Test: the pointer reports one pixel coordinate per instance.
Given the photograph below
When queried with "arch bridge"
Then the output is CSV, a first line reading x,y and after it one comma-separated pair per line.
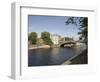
x,y
68,44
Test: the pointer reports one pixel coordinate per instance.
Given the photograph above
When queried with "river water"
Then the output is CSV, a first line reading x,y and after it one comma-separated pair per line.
x,y
51,56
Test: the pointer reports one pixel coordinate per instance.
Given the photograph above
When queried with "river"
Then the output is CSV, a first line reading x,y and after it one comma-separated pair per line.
x,y
51,56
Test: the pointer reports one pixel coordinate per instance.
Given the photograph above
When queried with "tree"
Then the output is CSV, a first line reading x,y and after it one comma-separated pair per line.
x,y
46,37
83,23
33,37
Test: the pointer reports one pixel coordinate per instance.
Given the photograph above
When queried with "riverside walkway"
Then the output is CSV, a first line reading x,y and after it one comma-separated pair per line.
x,y
38,47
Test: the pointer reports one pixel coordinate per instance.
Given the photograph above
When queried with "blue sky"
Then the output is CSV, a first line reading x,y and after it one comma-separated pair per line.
x,y
52,24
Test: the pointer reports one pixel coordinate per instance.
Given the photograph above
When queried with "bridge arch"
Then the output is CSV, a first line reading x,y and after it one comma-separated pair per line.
x,y
67,44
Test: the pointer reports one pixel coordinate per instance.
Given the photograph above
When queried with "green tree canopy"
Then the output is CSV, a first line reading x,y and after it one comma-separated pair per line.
x,y
33,37
46,37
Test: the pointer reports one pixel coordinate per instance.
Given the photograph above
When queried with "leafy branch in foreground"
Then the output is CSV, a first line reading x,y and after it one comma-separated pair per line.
x,y
82,22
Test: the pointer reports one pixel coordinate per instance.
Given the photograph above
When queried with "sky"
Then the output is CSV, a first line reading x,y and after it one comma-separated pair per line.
x,y
52,24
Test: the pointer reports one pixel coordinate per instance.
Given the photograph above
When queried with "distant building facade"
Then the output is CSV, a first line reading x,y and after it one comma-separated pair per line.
x,y
67,39
55,38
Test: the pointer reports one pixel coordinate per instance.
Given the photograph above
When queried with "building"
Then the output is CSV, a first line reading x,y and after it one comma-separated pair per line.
x,y
68,39
55,38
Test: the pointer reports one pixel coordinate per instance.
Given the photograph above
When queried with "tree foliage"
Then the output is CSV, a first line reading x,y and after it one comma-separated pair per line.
x,y
33,37
46,37
82,22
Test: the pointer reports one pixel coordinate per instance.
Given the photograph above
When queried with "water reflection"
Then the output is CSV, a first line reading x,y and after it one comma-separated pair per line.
x,y
51,56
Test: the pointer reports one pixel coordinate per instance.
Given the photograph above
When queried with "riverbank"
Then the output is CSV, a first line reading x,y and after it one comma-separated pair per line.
x,y
43,46
38,47
81,58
